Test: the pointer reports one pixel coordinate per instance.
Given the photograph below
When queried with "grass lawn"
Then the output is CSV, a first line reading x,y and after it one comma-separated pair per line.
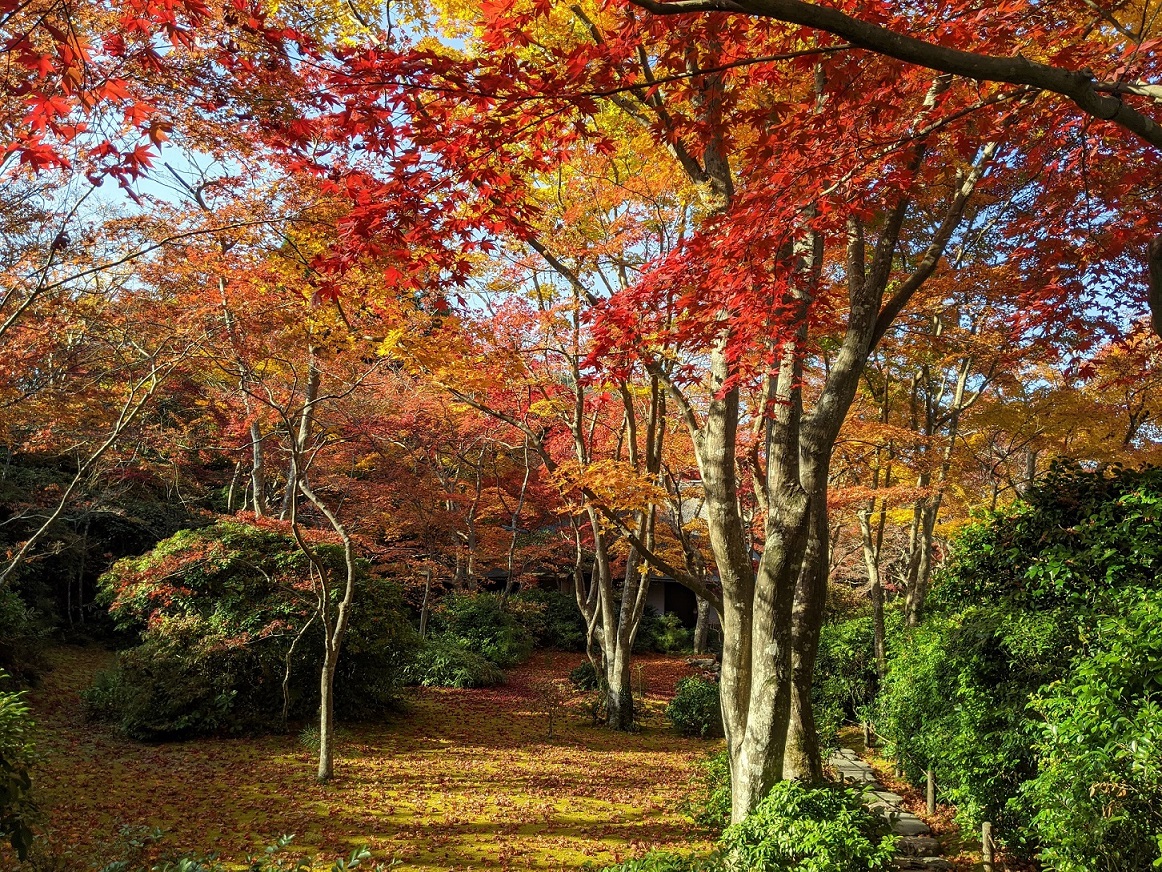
x,y
468,780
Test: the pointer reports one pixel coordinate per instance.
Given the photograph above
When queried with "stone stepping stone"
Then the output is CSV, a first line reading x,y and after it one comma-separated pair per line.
x,y
907,824
923,864
919,846
854,771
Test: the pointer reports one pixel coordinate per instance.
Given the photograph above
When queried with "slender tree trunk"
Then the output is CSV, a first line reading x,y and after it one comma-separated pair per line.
x,y
921,579
257,472
334,622
916,545
702,626
81,571
620,706
871,558
1031,460
424,611
233,487
327,715
306,423
510,584
634,592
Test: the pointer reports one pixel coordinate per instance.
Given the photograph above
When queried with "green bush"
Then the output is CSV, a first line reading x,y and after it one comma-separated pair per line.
x,y
22,634
552,618
845,676
695,709
647,630
1099,781
219,610
443,662
957,694
1014,686
17,757
803,829
670,636
666,861
709,804
480,623
584,677
795,828
272,859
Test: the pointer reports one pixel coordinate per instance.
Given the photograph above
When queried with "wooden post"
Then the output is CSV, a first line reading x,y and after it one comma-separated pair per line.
x,y
931,791
986,846
867,735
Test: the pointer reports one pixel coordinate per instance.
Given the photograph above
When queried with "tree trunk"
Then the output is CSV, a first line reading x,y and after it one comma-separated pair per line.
x,y
915,548
306,422
334,623
802,759
634,591
871,557
424,610
327,715
233,487
510,584
702,626
921,579
1030,472
257,472
619,691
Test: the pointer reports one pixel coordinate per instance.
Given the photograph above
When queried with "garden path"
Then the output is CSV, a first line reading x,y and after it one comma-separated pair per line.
x,y
917,847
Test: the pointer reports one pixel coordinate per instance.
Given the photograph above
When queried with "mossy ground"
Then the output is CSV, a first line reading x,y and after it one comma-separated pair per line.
x,y
469,779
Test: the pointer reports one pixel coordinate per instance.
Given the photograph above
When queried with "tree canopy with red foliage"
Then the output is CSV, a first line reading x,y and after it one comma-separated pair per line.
x,y
638,243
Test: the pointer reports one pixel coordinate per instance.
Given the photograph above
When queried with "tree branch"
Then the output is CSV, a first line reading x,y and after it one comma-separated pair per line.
x,y
1078,86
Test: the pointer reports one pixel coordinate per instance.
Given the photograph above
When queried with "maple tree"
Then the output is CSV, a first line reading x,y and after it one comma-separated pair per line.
x,y
696,227
724,115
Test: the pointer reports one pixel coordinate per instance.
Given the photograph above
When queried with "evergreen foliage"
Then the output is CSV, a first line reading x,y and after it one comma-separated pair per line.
x,y
1034,684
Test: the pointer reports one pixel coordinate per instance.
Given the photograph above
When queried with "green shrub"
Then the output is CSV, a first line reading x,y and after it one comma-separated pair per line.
x,y
670,636
1073,540
272,859
219,610
709,804
957,694
480,623
444,662
1015,685
647,630
17,757
845,676
803,829
584,677
695,709
795,828
1099,781
22,635
666,861
552,618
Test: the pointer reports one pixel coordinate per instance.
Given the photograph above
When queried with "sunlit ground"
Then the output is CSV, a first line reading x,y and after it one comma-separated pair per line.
x,y
468,780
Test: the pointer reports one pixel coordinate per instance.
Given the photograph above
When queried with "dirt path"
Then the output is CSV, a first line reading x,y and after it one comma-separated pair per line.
x,y
468,780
